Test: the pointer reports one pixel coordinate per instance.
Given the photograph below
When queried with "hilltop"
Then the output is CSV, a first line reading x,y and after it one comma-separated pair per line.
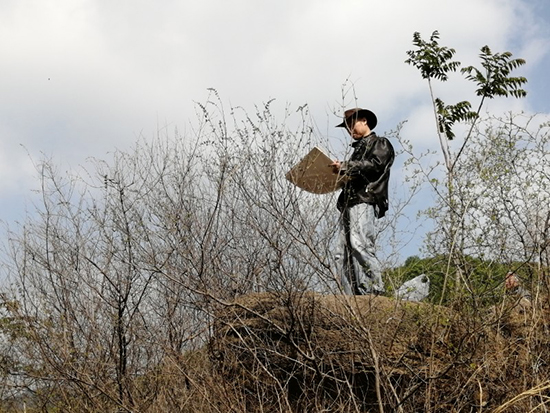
x,y
311,352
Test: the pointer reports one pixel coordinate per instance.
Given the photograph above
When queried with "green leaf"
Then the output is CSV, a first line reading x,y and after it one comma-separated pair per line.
x,y
494,78
431,59
448,115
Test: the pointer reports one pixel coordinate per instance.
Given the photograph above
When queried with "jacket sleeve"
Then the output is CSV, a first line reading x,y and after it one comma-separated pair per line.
x,y
371,163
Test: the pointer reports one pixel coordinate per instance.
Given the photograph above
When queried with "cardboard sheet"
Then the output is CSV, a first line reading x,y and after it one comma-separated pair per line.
x,y
313,173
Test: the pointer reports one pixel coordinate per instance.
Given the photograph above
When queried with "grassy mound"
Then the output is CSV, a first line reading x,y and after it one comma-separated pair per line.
x,y
309,352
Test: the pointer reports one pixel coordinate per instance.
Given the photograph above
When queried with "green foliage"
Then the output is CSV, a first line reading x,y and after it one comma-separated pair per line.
x,y
495,80
448,115
484,279
433,60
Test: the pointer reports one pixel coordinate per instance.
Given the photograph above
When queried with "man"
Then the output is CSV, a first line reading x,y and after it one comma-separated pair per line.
x,y
512,286
364,197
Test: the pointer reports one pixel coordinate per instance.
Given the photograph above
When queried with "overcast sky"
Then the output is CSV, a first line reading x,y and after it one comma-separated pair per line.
x,y
80,78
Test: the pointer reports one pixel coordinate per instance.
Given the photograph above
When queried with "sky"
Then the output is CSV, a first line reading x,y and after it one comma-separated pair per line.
x,y
81,78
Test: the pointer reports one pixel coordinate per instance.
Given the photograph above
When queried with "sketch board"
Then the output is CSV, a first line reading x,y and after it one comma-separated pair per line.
x,y
313,173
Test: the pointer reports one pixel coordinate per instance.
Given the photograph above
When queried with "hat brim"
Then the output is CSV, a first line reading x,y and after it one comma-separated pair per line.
x,y
372,121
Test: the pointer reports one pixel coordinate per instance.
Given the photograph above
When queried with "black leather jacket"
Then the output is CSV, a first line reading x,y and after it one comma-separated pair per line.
x,y
369,171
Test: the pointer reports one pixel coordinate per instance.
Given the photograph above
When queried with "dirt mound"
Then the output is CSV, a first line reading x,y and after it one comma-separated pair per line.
x,y
310,352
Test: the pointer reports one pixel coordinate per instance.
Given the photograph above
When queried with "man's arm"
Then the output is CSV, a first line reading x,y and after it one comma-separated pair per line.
x,y
336,165
374,164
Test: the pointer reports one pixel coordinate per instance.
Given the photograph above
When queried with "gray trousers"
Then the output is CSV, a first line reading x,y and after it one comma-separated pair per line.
x,y
356,260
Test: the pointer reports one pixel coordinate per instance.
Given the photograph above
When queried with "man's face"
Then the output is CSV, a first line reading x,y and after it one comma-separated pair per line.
x,y
357,128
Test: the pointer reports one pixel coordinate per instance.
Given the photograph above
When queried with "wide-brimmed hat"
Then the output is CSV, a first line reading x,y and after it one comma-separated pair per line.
x,y
359,113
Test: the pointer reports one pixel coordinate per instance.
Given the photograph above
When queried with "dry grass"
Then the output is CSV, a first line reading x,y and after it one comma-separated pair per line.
x,y
375,354
291,353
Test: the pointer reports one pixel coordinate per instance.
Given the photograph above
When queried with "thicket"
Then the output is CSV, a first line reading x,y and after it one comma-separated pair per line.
x,y
124,276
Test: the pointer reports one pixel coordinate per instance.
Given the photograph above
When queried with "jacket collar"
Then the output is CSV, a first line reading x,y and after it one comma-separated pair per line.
x,y
363,139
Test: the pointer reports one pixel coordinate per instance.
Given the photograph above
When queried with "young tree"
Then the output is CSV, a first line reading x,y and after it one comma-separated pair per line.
x,y
506,168
493,79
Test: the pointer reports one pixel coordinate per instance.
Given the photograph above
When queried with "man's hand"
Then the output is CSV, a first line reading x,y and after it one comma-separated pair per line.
x,y
336,165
